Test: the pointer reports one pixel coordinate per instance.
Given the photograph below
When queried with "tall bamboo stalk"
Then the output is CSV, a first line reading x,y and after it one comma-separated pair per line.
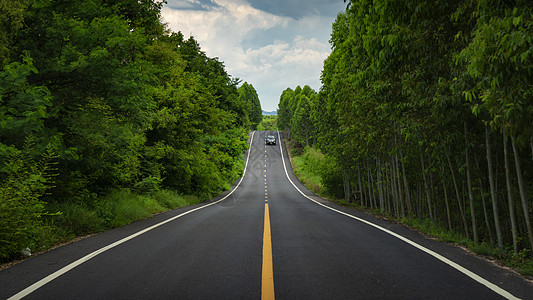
x,y
470,193
509,192
428,199
493,196
522,188
458,197
446,202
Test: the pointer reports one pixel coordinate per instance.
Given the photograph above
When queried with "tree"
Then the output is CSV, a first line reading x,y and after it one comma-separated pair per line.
x,y
248,97
407,84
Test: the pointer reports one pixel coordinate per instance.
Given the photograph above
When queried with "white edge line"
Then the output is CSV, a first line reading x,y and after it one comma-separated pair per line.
x,y
445,260
32,288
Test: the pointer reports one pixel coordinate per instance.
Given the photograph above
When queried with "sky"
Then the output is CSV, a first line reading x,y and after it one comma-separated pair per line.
x,y
271,44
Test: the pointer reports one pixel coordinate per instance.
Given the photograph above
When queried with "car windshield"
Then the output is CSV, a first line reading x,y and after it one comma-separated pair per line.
x,y
270,138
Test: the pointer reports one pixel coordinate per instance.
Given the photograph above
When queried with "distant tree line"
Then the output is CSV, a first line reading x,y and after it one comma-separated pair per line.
x,y
426,108
98,96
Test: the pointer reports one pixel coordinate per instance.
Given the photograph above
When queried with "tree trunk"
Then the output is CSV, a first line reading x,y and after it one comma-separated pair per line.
x,y
454,180
346,184
522,188
432,189
470,193
486,214
371,194
380,186
393,189
406,186
493,192
360,186
446,202
418,201
390,193
509,191
426,185
399,185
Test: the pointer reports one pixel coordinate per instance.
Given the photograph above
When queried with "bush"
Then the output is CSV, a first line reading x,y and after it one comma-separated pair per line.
x,y
21,204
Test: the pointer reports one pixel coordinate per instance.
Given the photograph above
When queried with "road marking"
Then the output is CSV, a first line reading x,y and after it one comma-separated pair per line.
x,y
267,286
443,259
32,288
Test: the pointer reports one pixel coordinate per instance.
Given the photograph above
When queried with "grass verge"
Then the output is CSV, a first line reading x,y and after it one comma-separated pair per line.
x,y
71,220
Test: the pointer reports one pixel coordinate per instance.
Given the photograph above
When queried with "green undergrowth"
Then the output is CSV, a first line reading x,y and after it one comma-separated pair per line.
x,y
309,179
117,209
306,165
69,220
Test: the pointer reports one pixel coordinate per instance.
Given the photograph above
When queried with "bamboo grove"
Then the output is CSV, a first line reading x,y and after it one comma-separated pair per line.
x,y
426,109
98,96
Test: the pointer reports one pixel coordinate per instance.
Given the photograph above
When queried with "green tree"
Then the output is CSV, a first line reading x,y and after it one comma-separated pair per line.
x,y
248,96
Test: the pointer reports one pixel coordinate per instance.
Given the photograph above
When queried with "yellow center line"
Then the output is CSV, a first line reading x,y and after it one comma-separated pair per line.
x,y
267,287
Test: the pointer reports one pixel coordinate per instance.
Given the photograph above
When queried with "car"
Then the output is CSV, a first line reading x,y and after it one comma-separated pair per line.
x,y
270,140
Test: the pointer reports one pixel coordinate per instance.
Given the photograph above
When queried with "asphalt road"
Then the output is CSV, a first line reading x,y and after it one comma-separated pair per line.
x,y
268,237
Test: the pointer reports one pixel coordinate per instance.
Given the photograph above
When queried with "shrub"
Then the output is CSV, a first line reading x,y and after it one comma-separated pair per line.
x,y
21,206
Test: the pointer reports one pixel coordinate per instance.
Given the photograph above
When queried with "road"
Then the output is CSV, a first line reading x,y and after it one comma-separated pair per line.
x,y
269,237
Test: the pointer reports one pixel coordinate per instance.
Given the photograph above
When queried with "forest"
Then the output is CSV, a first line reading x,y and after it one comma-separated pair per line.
x,y
426,111
105,113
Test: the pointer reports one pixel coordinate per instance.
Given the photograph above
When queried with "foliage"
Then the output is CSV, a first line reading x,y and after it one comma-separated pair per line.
x,y
21,205
418,102
296,112
248,96
269,123
123,103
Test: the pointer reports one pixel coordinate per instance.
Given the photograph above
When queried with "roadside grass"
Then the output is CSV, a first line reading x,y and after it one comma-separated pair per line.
x,y
309,179
67,221
117,209
305,168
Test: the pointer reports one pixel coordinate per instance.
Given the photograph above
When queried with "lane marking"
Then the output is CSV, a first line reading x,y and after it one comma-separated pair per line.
x,y
267,286
32,288
443,259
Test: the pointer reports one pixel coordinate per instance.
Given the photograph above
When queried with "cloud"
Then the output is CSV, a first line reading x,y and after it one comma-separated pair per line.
x,y
191,4
270,52
226,23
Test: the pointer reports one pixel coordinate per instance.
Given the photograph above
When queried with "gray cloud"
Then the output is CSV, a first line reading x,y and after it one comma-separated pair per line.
x,y
297,9
259,44
191,4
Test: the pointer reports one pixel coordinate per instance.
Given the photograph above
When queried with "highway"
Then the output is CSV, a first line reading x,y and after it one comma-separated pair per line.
x,y
267,238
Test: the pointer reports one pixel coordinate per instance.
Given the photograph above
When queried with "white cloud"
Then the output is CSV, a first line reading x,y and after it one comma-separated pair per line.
x,y
293,58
